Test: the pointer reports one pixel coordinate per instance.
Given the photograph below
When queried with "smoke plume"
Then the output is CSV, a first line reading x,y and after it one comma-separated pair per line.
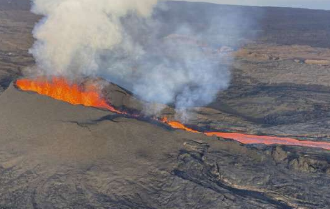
x,y
74,32
143,46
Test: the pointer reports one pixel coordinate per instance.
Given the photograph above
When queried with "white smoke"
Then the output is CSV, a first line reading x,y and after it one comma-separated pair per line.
x,y
128,43
73,32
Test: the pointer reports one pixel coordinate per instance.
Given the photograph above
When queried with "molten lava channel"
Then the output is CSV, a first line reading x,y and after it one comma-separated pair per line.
x,y
252,139
89,95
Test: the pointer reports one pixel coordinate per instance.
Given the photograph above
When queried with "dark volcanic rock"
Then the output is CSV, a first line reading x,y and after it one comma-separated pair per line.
x,y
121,99
55,155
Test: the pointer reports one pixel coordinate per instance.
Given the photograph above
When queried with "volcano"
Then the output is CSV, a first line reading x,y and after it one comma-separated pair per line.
x,y
93,157
89,95
263,143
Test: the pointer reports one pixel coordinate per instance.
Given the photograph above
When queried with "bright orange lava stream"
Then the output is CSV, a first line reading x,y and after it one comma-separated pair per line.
x,y
252,139
59,88
178,125
269,140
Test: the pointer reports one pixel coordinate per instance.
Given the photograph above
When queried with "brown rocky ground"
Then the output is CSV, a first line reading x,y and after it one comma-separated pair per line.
x,y
54,155
276,90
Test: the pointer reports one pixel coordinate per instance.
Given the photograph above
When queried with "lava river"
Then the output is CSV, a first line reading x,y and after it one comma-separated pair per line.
x,y
89,95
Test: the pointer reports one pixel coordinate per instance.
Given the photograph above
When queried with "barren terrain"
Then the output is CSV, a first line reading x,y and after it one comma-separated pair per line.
x,y
55,155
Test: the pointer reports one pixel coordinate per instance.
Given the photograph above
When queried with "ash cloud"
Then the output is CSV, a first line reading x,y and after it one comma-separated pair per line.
x,y
171,53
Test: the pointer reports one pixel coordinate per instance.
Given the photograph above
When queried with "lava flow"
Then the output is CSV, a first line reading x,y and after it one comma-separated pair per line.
x,y
178,125
252,139
88,95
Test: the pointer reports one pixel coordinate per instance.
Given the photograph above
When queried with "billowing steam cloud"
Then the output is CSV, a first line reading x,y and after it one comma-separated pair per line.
x,y
129,42
74,32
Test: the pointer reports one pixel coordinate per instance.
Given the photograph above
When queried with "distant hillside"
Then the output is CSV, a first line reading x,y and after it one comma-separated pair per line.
x,y
14,4
295,26
285,26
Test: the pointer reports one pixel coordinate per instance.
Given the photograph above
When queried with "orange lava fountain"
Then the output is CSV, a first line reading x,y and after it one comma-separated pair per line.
x,y
88,95
60,89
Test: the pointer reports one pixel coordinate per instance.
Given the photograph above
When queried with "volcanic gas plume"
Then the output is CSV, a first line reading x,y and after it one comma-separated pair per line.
x,y
125,43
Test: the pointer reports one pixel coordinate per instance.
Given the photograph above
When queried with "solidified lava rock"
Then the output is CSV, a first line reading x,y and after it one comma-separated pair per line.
x,y
122,99
56,155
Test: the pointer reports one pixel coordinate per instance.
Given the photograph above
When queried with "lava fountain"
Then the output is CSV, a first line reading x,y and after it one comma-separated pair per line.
x,y
89,95
61,89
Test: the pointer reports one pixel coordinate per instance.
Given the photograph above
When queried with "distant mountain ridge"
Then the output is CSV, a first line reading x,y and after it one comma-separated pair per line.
x,y
15,5
274,25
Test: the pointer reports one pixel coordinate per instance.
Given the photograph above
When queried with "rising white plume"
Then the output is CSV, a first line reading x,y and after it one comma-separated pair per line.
x,y
73,32
132,43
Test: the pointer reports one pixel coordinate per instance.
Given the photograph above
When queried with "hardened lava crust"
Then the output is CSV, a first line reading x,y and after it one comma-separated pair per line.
x,y
57,155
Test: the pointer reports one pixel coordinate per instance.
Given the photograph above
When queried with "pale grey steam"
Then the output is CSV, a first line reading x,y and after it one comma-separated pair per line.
x,y
74,32
140,45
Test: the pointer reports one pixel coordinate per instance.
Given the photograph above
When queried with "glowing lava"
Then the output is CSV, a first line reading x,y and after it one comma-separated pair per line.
x,y
269,140
178,125
89,95
252,139
60,89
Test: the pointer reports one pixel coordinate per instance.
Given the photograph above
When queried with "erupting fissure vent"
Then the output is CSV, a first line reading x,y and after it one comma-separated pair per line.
x,y
60,89
89,95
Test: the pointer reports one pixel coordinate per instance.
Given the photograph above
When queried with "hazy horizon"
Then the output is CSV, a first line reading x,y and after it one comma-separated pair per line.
x,y
309,4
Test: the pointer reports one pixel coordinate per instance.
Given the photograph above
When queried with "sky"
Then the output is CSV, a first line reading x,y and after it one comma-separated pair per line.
x,y
311,4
